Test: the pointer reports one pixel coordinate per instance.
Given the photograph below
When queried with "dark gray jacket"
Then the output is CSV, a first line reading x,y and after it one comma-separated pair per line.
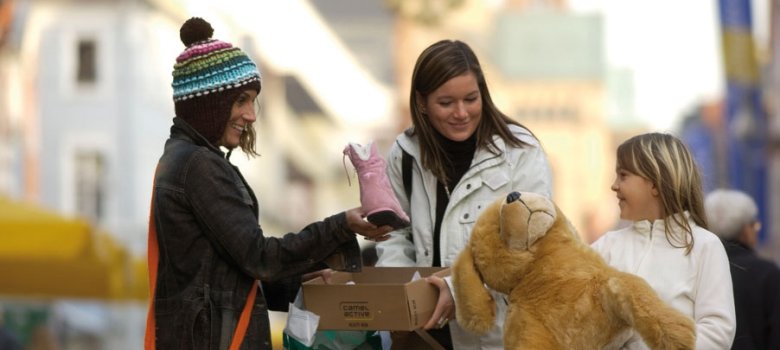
x,y
756,284
212,249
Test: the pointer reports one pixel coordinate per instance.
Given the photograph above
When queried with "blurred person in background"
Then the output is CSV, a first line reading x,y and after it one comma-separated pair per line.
x,y
459,155
733,216
659,190
43,338
206,249
8,340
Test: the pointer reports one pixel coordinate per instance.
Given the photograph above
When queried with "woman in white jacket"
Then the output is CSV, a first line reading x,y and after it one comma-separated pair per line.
x,y
659,190
461,154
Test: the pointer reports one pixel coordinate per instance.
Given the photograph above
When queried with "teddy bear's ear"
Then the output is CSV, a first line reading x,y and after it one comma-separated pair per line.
x,y
525,217
474,307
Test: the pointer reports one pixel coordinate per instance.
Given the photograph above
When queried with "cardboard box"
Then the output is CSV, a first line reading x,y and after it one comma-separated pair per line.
x,y
381,298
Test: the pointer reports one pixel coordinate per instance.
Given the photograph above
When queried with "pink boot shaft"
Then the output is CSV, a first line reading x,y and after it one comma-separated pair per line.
x,y
377,198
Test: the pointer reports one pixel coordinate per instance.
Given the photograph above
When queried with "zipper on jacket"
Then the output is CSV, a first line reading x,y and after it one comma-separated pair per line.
x,y
647,249
418,167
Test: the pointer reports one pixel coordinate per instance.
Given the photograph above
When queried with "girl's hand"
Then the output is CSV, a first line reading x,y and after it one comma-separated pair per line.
x,y
364,228
445,306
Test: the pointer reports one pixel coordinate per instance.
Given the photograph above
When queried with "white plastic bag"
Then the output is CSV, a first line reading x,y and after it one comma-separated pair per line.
x,y
301,324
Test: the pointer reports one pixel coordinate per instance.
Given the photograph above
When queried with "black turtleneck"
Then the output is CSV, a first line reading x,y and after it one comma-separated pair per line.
x,y
460,155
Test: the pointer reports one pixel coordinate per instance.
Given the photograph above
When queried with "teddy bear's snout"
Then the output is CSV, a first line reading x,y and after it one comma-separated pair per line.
x,y
513,196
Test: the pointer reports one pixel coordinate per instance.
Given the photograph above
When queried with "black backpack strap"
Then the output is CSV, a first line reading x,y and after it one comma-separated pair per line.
x,y
406,173
406,176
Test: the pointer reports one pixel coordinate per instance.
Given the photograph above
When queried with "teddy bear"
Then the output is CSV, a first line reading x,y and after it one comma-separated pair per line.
x,y
561,294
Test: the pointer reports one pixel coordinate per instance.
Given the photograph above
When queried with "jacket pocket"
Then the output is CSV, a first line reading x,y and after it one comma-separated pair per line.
x,y
183,323
225,317
466,219
496,180
259,330
201,325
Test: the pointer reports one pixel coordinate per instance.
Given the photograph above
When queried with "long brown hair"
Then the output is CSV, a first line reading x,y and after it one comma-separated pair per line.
x,y
436,65
248,137
247,141
665,161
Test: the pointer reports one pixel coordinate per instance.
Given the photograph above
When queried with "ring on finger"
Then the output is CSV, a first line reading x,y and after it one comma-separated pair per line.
x,y
442,322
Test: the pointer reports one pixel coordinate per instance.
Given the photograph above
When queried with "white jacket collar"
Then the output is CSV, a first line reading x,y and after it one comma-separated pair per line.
x,y
647,227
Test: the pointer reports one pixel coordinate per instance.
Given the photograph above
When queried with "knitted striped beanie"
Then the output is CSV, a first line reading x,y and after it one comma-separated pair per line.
x,y
208,77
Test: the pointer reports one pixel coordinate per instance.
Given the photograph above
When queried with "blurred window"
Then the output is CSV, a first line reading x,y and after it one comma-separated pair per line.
x,y
299,98
87,61
300,195
90,184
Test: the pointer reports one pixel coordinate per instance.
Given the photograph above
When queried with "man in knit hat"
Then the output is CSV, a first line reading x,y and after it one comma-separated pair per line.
x,y
206,249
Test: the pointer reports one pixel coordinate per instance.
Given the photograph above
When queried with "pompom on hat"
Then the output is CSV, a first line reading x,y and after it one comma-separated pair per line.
x,y
208,77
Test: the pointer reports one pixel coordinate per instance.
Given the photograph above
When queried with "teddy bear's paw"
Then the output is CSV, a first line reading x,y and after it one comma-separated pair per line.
x,y
479,324
679,333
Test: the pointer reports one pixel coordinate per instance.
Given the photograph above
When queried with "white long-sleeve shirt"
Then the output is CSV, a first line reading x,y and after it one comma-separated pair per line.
x,y
697,284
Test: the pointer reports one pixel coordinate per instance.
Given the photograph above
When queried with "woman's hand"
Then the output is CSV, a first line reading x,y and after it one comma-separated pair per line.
x,y
359,225
445,306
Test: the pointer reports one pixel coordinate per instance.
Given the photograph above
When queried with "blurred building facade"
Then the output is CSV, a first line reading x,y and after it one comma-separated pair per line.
x,y
556,74
735,137
85,107
772,102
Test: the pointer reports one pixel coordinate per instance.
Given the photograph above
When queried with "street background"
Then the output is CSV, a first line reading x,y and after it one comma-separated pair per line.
x,y
86,105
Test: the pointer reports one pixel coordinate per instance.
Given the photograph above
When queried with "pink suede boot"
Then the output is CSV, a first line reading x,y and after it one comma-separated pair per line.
x,y
377,198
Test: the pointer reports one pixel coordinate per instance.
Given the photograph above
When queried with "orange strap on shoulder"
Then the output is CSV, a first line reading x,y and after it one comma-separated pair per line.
x,y
153,260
